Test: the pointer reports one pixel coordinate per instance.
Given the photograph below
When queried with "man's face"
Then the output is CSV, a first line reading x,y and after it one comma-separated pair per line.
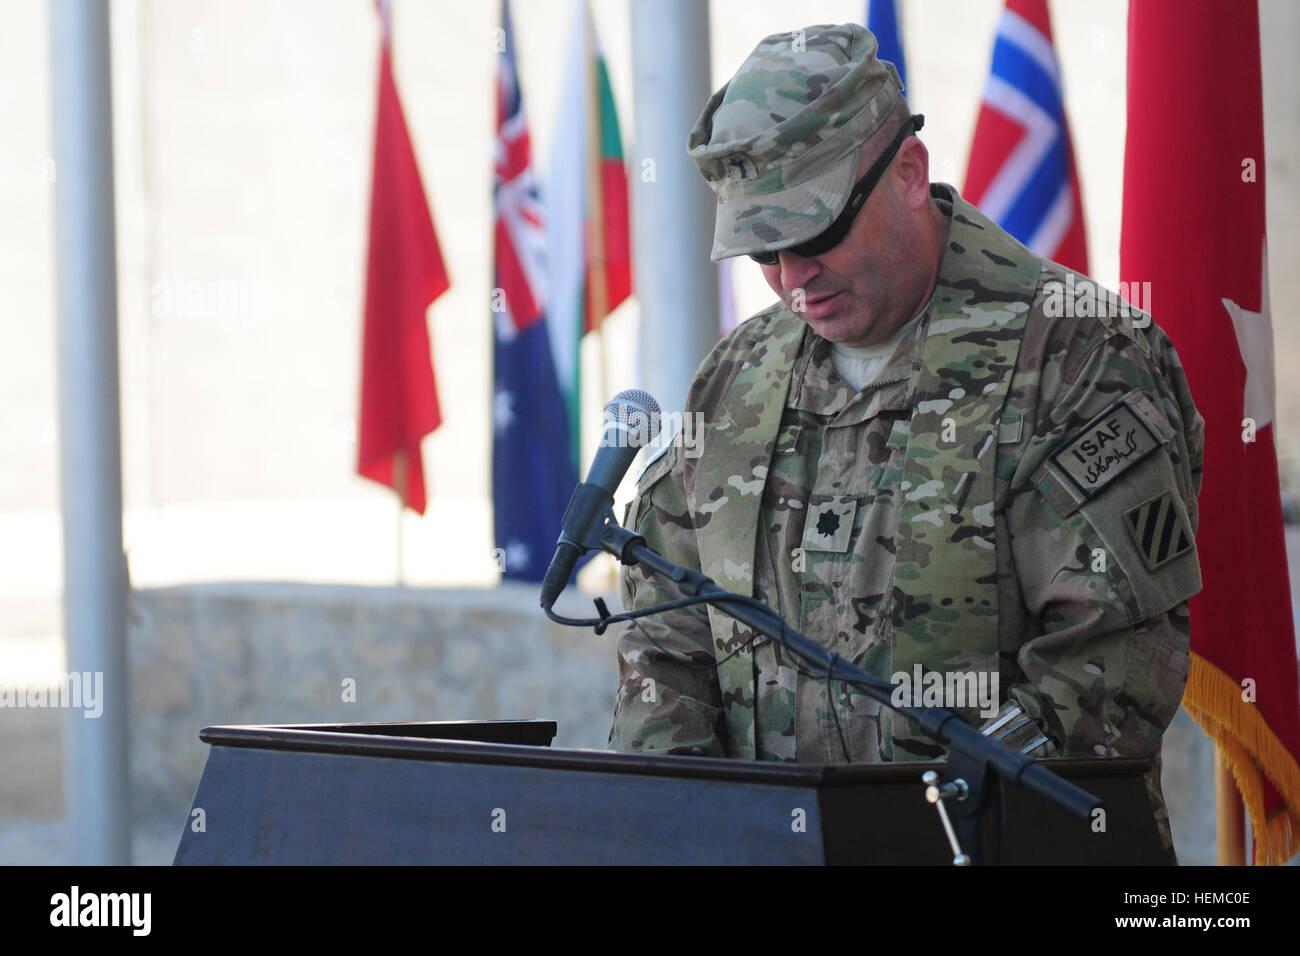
x,y
866,287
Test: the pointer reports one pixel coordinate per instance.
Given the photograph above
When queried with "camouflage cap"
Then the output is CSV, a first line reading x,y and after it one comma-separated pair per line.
x,y
780,144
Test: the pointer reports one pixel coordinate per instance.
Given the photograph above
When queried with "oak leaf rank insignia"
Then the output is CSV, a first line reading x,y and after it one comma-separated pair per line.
x,y
829,525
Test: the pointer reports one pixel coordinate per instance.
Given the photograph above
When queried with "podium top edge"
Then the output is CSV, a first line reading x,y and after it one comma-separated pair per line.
x,y
389,739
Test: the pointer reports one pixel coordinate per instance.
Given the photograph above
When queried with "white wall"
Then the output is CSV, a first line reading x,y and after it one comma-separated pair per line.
x,y
243,148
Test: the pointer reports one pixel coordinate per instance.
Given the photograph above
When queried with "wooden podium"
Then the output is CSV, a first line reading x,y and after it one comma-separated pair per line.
x,y
494,792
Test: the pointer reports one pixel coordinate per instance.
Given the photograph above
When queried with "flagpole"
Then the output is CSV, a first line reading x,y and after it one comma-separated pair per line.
x,y
597,289
1231,817
399,483
597,283
399,459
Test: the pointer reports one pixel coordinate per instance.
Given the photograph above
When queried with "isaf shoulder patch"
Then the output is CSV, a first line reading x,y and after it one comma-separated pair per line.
x,y
1117,474
1160,530
1105,448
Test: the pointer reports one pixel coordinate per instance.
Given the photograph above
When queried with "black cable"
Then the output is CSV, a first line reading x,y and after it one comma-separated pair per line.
x,y
810,669
713,663
754,640
830,699
601,623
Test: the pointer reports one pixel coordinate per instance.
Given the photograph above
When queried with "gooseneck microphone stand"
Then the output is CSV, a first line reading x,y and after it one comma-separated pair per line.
x,y
965,787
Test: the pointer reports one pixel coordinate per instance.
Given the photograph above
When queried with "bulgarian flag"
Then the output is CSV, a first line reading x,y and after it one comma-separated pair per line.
x,y
590,254
1194,228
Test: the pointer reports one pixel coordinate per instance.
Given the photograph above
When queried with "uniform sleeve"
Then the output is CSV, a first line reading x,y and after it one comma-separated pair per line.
x,y
668,697
1102,517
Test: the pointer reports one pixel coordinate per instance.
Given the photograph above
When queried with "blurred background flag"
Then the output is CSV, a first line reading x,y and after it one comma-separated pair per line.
x,y
1194,228
586,197
1022,173
532,471
727,318
882,20
404,274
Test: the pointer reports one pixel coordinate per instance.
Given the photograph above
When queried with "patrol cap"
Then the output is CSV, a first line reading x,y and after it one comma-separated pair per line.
x,y
780,144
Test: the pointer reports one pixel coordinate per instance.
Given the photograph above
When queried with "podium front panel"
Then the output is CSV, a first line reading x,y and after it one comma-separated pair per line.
x,y
493,792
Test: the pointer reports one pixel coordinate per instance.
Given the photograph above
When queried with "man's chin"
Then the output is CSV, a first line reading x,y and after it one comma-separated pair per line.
x,y
843,329
837,328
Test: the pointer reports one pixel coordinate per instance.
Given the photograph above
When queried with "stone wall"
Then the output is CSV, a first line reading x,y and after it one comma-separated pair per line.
x,y
281,653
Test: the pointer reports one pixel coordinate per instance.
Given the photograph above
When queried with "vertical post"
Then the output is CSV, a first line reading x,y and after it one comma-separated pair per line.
x,y
399,485
676,283
1231,817
95,769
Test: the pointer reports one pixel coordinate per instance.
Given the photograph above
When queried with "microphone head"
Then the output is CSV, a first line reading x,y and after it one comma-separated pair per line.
x,y
635,396
631,423
634,415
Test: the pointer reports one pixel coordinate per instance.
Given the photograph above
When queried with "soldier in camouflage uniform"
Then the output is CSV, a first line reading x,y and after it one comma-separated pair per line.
x,y
1013,494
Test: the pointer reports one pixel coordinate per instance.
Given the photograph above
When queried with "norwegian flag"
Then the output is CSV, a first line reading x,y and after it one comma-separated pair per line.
x,y
882,20
1022,173
533,472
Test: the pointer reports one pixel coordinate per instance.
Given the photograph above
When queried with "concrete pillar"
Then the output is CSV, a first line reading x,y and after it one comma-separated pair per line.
x,y
676,284
95,777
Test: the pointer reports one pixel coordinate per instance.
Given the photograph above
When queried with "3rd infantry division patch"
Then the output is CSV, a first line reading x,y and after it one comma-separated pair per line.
x,y
1159,530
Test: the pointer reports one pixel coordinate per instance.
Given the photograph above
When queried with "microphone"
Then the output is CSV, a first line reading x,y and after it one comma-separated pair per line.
x,y
631,423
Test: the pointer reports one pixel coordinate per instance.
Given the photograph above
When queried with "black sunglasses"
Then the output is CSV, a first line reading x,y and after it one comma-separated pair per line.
x,y
830,237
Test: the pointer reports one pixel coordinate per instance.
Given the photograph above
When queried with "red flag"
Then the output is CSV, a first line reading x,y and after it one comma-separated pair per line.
x,y
1194,229
404,274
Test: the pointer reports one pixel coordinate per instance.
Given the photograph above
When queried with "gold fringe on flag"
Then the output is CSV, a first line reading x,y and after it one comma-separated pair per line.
x,y
1252,751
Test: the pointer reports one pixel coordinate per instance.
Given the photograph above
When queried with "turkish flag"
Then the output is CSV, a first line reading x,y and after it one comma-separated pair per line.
x,y
399,398
1194,229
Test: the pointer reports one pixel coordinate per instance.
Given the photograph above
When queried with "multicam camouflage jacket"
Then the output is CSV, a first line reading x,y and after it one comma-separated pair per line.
x,y
1013,497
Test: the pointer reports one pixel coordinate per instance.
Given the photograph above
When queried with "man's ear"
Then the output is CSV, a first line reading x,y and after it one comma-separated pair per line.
x,y
912,167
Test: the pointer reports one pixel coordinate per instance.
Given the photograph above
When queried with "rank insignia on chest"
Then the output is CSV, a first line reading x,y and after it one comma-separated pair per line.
x,y
1160,530
829,525
1105,448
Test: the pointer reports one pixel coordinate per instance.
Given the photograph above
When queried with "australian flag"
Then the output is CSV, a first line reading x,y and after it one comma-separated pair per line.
x,y
1022,173
532,469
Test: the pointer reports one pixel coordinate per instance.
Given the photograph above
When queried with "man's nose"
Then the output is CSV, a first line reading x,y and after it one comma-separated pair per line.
x,y
797,270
